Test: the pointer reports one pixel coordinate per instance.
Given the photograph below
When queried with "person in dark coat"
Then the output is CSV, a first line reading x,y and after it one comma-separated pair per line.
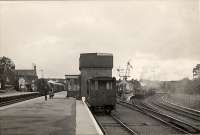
x,y
45,88
45,95
51,92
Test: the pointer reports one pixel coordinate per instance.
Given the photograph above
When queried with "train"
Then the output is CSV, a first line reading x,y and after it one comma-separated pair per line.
x,y
129,89
101,93
144,92
44,85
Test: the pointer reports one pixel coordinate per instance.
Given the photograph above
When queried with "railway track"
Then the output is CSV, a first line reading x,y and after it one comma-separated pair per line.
x,y
111,125
180,111
12,100
183,127
188,111
190,117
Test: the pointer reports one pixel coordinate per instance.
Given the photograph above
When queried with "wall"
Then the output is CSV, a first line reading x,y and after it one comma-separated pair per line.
x,y
95,60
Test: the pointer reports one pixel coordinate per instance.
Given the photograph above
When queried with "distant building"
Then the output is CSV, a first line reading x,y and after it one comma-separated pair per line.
x,y
94,65
196,71
26,78
73,85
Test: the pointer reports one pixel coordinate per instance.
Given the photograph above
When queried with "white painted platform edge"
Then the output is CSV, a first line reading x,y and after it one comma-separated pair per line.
x,y
92,117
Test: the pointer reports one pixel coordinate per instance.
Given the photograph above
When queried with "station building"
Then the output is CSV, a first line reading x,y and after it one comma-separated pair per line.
x,y
94,65
26,79
73,86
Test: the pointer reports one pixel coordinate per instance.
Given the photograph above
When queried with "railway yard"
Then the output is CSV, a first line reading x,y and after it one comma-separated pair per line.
x,y
100,67
140,118
152,115
94,103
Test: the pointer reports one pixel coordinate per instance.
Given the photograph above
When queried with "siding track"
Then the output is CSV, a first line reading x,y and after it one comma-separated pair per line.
x,y
15,99
183,127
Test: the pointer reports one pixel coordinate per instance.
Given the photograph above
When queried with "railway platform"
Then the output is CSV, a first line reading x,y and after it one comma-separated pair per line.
x,y
58,116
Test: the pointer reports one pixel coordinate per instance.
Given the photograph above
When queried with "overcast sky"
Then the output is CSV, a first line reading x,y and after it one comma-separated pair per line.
x,y
161,38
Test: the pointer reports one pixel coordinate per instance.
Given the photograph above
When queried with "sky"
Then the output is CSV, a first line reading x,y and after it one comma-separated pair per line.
x,y
160,38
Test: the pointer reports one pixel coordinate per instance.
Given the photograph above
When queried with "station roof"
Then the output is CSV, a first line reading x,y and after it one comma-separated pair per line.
x,y
72,76
102,78
25,72
98,54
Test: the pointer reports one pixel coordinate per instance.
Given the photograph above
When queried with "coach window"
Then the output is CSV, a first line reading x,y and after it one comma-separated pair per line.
x,y
96,85
88,87
109,85
102,85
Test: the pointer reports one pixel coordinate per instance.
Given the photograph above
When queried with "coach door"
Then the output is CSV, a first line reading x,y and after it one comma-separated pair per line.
x,y
105,89
110,93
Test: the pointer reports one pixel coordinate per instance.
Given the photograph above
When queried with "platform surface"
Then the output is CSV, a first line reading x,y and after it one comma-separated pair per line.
x,y
40,117
59,116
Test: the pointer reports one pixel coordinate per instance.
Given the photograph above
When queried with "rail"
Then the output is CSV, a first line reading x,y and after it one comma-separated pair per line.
x,y
122,124
101,126
16,98
178,111
188,110
169,120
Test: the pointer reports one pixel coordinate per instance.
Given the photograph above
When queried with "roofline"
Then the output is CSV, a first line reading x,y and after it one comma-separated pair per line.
x,y
72,75
102,77
98,54
24,70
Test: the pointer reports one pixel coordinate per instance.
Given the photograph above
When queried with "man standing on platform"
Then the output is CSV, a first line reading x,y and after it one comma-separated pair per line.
x,y
45,88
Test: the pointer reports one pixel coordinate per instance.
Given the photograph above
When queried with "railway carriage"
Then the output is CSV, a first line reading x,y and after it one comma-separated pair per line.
x,y
101,93
57,87
43,85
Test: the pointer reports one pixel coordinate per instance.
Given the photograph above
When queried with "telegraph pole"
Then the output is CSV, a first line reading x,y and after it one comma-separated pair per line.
x,y
42,73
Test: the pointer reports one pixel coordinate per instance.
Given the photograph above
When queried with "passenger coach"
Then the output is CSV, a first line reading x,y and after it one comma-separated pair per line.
x,y
101,93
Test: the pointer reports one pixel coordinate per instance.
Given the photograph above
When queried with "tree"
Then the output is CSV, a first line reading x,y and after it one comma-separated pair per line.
x,y
7,68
